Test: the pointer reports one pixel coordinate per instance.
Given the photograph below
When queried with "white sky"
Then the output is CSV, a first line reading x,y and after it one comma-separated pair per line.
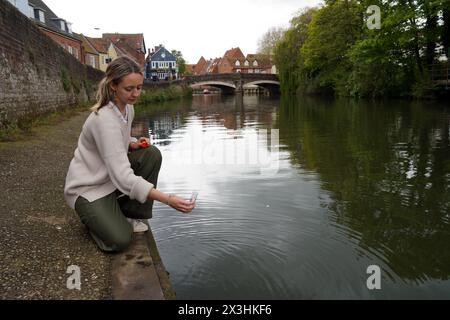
x,y
196,27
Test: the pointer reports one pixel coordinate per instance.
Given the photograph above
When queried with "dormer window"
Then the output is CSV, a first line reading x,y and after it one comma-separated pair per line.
x,y
238,63
246,63
69,27
39,15
255,63
62,24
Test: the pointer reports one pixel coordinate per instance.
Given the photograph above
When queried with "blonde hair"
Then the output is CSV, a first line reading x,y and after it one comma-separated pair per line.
x,y
116,70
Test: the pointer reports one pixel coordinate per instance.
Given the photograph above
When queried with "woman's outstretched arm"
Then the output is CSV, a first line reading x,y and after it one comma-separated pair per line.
x,y
175,202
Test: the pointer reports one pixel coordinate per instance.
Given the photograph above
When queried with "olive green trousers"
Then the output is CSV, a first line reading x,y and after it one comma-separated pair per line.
x,y
105,218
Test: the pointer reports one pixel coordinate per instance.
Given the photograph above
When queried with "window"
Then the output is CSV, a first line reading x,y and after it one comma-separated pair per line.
x,y
92,60
255,63
39,15
70,49
246,63
62,25
75,52
238,63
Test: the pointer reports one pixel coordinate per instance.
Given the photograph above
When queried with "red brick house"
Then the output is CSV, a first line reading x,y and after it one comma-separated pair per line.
x,y
200,66
91,55
226,64
56,28
101,46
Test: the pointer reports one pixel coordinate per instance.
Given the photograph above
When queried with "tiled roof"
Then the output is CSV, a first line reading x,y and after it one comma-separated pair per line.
x,y
99,44
129,44
88,47
134,40
131,52
234,53
200,65
157,55
264,61
51,19
124,52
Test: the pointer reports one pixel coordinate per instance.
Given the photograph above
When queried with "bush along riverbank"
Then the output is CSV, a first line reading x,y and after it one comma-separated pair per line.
x,y
340,49
152,93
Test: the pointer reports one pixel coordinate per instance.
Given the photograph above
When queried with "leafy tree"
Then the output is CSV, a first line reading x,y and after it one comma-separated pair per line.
x,y
268,42
287,49
445,33
180,62
332,50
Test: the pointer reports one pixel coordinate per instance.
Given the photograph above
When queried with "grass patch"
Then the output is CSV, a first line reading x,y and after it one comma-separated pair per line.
x,y
23,129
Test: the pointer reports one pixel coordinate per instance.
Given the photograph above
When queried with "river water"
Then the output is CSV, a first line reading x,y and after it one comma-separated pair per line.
x,y
300,198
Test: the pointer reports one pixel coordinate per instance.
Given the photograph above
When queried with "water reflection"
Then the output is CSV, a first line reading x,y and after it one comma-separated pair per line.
x,y
357,184
387,168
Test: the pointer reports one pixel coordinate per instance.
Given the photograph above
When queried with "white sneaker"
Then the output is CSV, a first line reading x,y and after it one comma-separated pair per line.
x,y
138,226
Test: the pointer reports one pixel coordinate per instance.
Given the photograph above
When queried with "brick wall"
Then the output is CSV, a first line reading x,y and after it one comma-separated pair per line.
x,y
36,74
66,42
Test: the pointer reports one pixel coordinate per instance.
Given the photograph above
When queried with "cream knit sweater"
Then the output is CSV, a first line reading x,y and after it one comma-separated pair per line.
x,y
100,164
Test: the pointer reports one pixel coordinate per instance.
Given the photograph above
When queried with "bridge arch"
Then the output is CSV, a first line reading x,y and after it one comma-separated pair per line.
x,y
226,87
219,84
263,82
235,82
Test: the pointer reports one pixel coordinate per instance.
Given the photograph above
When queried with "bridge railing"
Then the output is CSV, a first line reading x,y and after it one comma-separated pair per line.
x,y
232,76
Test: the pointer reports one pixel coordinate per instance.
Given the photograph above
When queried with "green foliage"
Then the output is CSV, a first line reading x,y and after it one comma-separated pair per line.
x,y
65,79
180,62
331,49
159,95
333,30
287,49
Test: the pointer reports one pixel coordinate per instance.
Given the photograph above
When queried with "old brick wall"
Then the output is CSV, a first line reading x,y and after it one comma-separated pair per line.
x,y
36,74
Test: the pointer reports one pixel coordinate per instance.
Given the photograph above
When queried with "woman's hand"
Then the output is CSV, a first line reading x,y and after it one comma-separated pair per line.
x,y
180,204
138,145
134,145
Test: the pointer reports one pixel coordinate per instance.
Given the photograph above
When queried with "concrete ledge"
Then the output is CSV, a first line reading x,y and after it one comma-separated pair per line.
x,y
138,272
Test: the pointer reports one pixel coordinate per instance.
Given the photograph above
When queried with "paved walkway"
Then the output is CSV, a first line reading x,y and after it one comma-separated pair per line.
x,y
40,236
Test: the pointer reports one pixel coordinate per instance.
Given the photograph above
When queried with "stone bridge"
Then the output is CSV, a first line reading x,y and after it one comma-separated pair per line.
x,y
231,83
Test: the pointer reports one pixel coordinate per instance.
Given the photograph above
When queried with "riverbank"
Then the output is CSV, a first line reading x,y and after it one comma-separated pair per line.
x,y
42,236
160,92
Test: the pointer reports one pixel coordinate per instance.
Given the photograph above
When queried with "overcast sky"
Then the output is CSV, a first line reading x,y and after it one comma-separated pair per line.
x,y
196,27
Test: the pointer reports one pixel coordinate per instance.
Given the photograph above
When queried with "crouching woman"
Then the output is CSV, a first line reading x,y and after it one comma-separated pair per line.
x,y
111,182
